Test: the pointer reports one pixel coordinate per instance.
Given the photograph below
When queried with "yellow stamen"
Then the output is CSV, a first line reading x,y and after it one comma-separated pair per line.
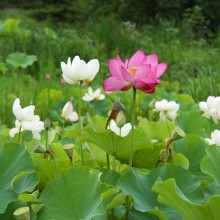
x,y
132,70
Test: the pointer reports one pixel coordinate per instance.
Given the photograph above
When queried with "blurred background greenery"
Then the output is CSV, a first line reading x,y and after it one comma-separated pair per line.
x,y
184,33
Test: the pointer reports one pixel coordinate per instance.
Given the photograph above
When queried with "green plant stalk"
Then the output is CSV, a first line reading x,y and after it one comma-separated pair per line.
x,y
168,128
80,120
127,205
132,123
107,159
46,139
19,134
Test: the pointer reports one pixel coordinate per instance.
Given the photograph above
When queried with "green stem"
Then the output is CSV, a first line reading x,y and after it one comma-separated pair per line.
x,y
80,120
46,138
114,163
168,128
127,205
107,159
132,123
55,165
19,134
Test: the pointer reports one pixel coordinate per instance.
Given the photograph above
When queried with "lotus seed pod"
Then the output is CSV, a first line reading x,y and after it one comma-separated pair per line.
x,y
177,134
47,123
120,119
69,149
22,213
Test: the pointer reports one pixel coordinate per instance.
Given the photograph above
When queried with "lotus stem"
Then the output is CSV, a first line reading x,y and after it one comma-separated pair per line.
x,y
133,108
80,120
168,128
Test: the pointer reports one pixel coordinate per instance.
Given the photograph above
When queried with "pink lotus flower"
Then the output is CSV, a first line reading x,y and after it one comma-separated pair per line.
x,y
63,81
48,76
140,71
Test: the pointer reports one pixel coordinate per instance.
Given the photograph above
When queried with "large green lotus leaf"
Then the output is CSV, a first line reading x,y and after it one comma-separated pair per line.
x,y
116,145
171,195
98,123
192,122
49,167
18,59
136,215
193,148
210,164
75,194
148,158
14,160
157,129
146,201
109,176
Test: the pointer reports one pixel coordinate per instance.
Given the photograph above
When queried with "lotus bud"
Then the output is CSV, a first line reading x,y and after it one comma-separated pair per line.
x,y
152,103
22,213
120,119
47,123
85,121
177,134
69,150
118,106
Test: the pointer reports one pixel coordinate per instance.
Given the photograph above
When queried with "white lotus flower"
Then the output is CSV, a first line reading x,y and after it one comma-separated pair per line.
x,y
24,114
93,95
26,120
34,125
124,130
68,112
211,108
167,109
78,70
215,138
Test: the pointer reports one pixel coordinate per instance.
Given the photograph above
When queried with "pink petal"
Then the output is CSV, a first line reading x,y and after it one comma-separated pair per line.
x,y
152,59
152,73
142,71
120,62
161,69
126,75
137,59
146,85
113,84
115,69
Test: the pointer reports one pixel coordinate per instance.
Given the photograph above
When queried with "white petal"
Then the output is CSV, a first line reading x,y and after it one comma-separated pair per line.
x,y
69,61
203,106
13,131
93,68
171,115
73,116
81,70
68,72
67,109
101,97
17,110
87,98
215,135
126,129
172,106
162,115
210,141
161,105
114,127
36,135
76,59
90,91
97,93
28,112
69,80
